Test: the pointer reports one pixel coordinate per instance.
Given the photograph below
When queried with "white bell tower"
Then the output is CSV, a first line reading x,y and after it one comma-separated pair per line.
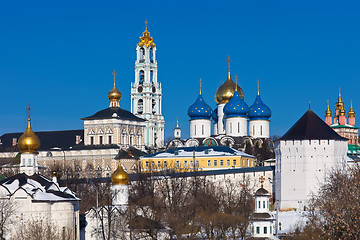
x,y
146,92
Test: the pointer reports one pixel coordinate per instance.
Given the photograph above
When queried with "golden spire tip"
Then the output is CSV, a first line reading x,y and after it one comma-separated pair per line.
x,y
258,86
236,80
200,85
228,61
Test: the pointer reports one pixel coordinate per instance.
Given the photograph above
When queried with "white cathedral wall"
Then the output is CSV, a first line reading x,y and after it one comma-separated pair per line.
x,y
200,128
302,166
236,126
220,124
259,128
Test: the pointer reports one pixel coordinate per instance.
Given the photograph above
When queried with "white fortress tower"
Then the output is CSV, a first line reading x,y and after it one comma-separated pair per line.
x,y
304,157
146,92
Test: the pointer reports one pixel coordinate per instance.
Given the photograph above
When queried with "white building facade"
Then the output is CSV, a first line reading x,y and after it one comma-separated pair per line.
x,y
305,156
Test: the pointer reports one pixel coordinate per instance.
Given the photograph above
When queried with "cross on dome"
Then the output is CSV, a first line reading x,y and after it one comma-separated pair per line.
x,y
228,61
200,84
114,73
262,180
29,109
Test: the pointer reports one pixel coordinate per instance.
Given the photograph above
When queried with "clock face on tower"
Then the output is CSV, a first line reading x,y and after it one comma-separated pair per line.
x,y
140,89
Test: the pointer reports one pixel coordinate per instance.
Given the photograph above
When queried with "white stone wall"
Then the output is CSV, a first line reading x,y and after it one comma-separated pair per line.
x,y
302,166
259,128
236,126
200,128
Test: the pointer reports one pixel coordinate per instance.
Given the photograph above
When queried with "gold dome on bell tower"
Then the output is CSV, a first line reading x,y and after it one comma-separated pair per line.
x,y
351,113
226,91
29,142
328,112
119,177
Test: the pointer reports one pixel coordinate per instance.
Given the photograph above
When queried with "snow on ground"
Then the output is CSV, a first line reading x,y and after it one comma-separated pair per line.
x,y
289,221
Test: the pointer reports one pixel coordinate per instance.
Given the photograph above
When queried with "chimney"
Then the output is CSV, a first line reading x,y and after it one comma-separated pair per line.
x,y
14,142
78,139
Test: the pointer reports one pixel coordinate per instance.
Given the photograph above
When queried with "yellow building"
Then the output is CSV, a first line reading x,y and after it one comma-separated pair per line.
x,y
196,159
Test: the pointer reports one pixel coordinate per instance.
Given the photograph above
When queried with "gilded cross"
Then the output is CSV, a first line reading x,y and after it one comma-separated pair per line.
x,y
114,73
236,79
29,110
262,179
258,86
200,84
228,61
146,23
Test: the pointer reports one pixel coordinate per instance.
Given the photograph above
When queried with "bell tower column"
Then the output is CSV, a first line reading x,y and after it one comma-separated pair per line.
x,y
146,92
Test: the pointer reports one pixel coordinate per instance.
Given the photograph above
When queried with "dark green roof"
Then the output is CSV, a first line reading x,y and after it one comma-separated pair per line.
x,y
344,126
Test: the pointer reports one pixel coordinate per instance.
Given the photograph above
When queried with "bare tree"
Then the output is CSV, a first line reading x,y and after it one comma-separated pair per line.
x,y
335,211
7,210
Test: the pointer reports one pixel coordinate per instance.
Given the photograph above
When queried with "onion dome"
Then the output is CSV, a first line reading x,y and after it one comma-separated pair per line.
x,y
28,142
259,111
236,107
119,177
215,115
114,94
328,112
226,91
351,113
146,39
262,192
342,112
339,104
200,110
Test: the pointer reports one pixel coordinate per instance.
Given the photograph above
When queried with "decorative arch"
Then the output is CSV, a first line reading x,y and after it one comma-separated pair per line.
x,y
209,142
175,143
227,141
192,142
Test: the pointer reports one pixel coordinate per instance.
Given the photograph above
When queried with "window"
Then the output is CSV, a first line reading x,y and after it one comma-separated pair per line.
x,y
165,164
270,230
177,164
263,204
265,230
195,130
202,129
234,162
261,130
152,164
215,163
158,164
247,163
146,164
228,163
29,162
209,163
259,204
197,163
185,164
238,127
221,162
101,140
191,164
258,230
91,140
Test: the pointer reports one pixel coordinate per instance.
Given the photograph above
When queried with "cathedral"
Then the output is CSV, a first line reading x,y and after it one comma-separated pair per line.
x,y
90,152
344,126
232,123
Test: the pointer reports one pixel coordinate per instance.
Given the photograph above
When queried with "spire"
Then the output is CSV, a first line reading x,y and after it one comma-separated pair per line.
x,y
236,79
328,112
200,85
177,123
146,23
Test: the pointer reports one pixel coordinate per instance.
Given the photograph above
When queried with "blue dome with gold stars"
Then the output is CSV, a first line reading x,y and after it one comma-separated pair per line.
x,y
236,107
259,111
200,110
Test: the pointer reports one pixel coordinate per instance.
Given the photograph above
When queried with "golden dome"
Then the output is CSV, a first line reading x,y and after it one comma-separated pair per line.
x,y
226,91
328,112
351,113
342,112
146,39
119,177
28,142
114,94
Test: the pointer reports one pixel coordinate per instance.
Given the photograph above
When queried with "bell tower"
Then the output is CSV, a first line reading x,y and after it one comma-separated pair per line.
x,y
146,92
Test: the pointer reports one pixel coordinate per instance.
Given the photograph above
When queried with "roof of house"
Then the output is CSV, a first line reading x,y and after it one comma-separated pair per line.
x,y
114,112
49,139
38,188
199,152
310,126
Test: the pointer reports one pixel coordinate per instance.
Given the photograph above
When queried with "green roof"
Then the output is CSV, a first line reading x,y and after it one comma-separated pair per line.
x,y
353,149
344,126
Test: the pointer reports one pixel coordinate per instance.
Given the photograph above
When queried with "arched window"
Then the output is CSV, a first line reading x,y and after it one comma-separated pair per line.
x,y
123,137
139,138
141,77
153,106
151,55
142,54
261,130
140,106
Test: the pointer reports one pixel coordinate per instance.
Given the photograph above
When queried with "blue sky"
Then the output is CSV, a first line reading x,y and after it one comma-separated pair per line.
x,y
59,56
